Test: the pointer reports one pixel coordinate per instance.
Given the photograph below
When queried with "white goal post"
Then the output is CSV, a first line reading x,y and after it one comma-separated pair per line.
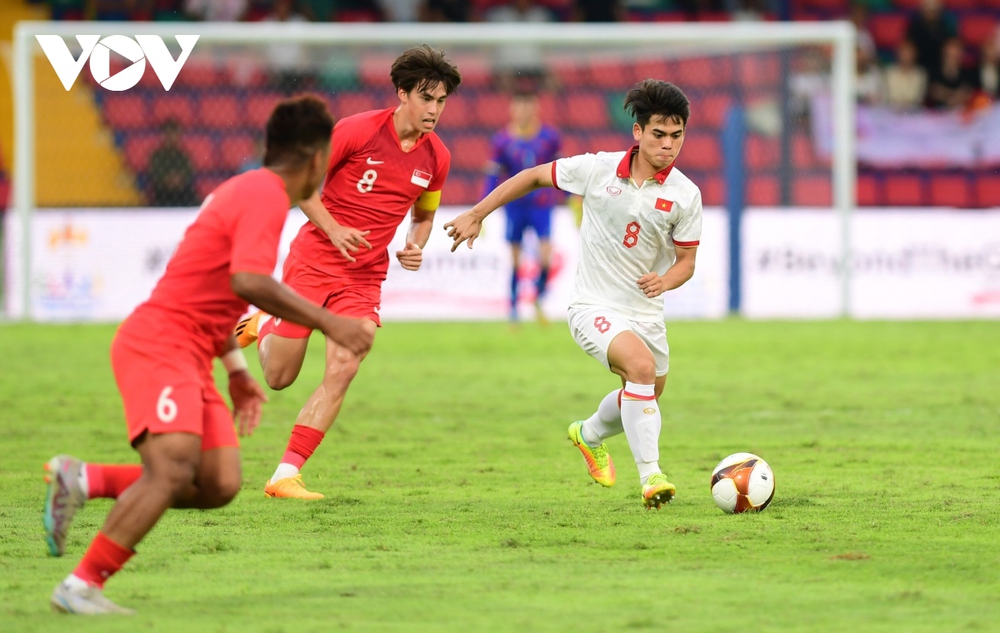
x,y
837,39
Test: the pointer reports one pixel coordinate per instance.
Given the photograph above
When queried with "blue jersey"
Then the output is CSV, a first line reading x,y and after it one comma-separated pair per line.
x,y
510,154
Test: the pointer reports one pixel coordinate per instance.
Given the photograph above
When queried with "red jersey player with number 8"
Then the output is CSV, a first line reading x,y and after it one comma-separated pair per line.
x,y
384,165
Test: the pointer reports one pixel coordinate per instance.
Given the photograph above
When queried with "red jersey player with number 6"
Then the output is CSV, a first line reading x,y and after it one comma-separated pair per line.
x,y
385,165
162,360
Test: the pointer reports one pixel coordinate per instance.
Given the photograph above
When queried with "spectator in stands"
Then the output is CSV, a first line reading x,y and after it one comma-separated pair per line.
x,y
953,84
446,11
989,68
288,61
402,10
519,11
929,28
216,10
866,43
319,10
599,11
905,81
870,82
170,172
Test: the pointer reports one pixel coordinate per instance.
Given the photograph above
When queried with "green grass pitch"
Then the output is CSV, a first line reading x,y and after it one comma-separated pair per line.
x,y
455,503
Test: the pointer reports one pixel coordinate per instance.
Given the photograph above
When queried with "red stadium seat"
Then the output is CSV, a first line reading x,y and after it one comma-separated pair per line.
x,y
205,185
492,109
950,190
173,106
834,6
259,106
652,69
976,28
804,153
349,103
961,5
199,74
713,190
868,194
696,72
611,74
700,151
373,70
201,148
470,152
477,71
709,113
573,145
570,73
609,142
137,149
462,190
458,112
987,190
888,29
220,111
551,109
763,191
762,152
812,191
126,111
758,70
904,190
586,110
235,149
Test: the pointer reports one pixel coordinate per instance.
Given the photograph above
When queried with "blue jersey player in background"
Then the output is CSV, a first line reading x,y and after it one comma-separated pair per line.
x,y
525,142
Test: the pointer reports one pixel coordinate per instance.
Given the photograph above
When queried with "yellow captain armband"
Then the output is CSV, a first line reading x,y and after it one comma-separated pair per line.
x,y
428,201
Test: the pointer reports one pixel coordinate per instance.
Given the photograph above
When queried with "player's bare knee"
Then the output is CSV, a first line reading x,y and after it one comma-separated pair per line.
x,y
642,371
279,378
176,474
221,489
343,370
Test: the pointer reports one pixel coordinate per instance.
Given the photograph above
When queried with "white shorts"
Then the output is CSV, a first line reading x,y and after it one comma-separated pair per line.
x,y
594,328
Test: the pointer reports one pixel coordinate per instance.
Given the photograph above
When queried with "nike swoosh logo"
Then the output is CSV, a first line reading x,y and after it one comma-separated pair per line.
x,y
374,162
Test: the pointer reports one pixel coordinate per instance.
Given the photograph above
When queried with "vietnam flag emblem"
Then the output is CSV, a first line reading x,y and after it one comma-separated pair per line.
x,y
663,204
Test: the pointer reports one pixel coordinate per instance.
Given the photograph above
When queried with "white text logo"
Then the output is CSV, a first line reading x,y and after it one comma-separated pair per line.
x,y
98,50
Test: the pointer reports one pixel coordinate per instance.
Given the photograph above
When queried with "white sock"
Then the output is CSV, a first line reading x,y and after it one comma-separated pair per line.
x,y
75,583
264,318
604,423
284,471
641,421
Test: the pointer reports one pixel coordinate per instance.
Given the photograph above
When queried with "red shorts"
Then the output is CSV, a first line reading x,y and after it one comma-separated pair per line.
x,y
167,389
342,296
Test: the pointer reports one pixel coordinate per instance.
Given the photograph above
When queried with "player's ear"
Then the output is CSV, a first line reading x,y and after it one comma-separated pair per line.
x,y
636,131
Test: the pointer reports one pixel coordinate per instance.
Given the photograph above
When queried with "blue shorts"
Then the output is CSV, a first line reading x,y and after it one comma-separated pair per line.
x,y
540,221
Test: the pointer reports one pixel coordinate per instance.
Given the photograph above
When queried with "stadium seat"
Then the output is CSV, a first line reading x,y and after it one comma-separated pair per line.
x,y
349,103
609,142
763,190
987,190
950,190
570,73
904,190
888,29
976,28
204,185
652,69
552,109
700,151
962,5
762,153
758,70
611,74
868,194
235,149
199,73
461,189
173,106
259,106
220,111
469,152
477,71
836,6
804,154
201,148
696,72
137,148
573,145
710,112
585,110
812,191
373,70
713,190
458,112
492,109
126,111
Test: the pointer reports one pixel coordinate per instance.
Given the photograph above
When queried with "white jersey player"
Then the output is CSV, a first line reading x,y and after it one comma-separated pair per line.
x,y
639,236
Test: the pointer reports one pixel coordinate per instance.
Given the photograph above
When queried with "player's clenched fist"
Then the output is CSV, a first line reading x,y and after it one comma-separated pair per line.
x,y
465,227
652,284
411,257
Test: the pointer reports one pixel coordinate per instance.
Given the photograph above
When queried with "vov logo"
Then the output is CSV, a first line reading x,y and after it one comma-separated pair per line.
x,y
98,50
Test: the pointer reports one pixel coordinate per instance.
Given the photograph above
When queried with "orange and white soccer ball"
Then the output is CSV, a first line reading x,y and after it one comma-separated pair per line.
x,y
742,482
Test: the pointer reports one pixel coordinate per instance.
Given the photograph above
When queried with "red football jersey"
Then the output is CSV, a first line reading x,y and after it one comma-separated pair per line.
x,y
237,230
371,185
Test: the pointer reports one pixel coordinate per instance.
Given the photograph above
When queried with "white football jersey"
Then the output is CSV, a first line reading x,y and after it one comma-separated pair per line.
x,y
628,230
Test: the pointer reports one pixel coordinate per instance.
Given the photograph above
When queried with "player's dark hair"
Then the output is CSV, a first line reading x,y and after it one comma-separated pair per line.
x,y
653,97
424,67
296,129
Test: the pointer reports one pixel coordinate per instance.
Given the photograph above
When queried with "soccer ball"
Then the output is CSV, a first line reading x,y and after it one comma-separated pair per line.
x,y
742,482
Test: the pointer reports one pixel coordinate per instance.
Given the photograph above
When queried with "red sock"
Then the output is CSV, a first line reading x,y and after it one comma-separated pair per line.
x,y
301,445
103,559
108,481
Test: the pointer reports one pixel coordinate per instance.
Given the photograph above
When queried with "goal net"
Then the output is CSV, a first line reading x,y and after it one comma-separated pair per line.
x,y
770,129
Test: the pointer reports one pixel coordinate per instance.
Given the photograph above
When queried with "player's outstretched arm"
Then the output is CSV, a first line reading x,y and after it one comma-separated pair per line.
x,y
347,240
683,269
281,301
468,225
